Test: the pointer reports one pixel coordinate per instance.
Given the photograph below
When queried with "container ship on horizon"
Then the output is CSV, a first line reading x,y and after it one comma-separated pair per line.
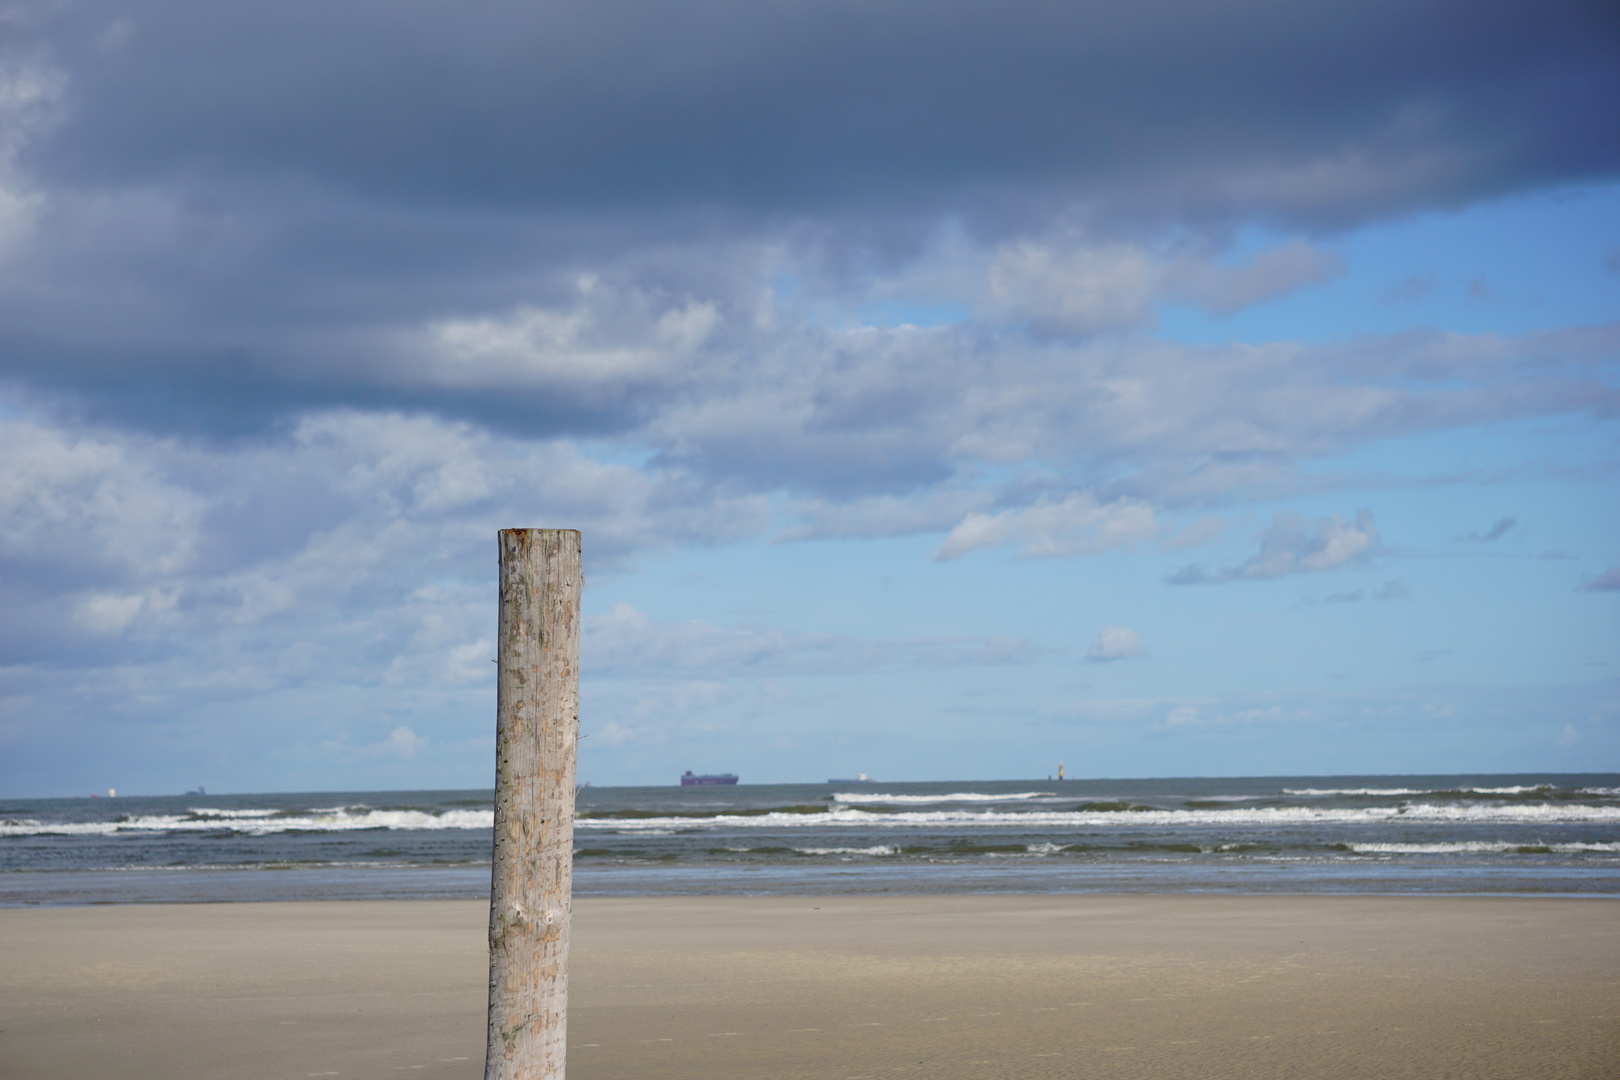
x,y
689,778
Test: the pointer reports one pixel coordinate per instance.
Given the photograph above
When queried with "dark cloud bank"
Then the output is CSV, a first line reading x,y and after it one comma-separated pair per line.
x,y
811,107
249,210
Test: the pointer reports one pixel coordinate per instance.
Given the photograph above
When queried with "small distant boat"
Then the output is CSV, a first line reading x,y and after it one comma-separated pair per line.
x,y
689,778
861,779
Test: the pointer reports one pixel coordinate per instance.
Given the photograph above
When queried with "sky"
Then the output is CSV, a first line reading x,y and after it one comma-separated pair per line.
x,y
943,390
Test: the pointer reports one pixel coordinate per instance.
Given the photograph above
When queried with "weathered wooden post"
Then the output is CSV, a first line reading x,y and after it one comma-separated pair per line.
x,y
536,732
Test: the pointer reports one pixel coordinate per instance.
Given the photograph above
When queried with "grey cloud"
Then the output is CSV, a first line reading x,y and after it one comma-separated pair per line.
x,y
1412,287
1199,532
895,411
1297,545
1324,114
94,510
1498,530
1076,289
764,398
1270,274
1608,581
886,515
1390,590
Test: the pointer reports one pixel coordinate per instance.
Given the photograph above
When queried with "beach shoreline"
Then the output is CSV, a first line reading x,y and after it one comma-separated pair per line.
x,y
950,986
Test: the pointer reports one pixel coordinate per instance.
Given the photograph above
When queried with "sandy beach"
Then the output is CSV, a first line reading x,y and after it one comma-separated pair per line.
x,y
834,987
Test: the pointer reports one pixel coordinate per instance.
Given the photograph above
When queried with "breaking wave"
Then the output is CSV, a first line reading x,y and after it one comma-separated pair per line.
x,y
879,798
257,822
1277,816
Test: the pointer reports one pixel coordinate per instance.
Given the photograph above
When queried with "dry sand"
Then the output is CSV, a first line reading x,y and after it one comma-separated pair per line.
x,y
834,987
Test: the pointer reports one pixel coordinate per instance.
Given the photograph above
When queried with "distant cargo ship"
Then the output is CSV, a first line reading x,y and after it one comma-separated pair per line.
x,y
688,778
861,779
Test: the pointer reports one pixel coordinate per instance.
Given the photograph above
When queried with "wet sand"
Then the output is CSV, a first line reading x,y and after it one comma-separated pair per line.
x,y
834,987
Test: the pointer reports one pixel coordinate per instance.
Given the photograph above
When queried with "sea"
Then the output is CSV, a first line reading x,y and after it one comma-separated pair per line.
x,y
1556,834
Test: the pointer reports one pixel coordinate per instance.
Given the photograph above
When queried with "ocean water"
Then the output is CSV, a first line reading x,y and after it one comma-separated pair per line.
x,y
1388,834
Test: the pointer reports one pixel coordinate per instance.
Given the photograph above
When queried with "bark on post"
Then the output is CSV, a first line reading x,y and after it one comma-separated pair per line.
x,y
536,733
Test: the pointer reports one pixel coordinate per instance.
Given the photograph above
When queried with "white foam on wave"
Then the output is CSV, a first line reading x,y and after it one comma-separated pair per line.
x,y
1356,791
1513,789
880,849
209,811
345,819
260,823
1476,847
877,798
1462,847
1276,816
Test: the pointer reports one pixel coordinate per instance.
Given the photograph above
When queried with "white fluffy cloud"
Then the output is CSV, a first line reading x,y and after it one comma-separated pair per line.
x,y
607,337
401,742
356,542
1115,643
1075,525
1293,544
96,502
